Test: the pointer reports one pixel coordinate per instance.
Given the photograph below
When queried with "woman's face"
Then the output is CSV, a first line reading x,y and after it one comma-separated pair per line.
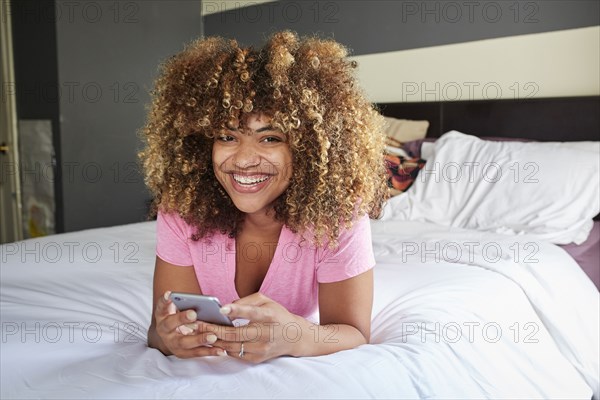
x,y
253,163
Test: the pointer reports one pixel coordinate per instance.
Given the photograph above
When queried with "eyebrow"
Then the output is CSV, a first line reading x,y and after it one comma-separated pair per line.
x,y
259,130
265,128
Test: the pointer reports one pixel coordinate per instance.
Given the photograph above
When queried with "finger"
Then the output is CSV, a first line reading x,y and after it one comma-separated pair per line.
x,y
254,299
254,353
201,351
172,322
248,333
164,308
163,303
187,329
196,340
251,312
234,349
223,332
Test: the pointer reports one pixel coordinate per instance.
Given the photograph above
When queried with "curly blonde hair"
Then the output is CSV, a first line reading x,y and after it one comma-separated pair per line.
x,y
308,89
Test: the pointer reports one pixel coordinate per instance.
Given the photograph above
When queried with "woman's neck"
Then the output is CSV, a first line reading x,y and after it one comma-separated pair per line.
x,y
264,222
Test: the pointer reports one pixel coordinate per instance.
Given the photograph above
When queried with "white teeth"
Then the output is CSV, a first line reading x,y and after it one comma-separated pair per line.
x,y
249,180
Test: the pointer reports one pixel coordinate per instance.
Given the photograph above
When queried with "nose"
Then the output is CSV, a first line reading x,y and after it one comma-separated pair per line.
x,y
246,156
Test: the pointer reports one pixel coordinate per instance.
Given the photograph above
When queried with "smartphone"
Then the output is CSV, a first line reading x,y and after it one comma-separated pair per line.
x,y
207,307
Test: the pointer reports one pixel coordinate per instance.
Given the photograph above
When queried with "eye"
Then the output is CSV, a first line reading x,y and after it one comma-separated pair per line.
x,y
272,139
225,138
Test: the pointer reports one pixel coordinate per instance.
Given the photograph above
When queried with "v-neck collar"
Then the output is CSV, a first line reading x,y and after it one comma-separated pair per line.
x,y
275,263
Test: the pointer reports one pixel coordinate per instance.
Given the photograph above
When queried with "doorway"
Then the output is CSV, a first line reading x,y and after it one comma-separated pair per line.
x,y
10,188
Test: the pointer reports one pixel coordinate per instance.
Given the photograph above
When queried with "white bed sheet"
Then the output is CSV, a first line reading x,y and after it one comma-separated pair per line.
x,y
75,308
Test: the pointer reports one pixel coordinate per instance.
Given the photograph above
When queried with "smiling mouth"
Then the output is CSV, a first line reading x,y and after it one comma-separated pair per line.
x,y
250,180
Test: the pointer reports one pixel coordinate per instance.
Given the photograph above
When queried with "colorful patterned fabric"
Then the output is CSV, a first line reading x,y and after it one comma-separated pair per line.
x,y
402,172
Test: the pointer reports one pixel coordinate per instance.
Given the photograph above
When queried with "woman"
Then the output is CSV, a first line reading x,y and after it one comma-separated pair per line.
x,y
263,165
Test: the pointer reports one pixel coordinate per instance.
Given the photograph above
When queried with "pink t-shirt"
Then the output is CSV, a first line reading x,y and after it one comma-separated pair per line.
x,y
295,271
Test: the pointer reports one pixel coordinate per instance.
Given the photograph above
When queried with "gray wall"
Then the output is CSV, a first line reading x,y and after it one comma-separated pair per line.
x,y
375,26
108,53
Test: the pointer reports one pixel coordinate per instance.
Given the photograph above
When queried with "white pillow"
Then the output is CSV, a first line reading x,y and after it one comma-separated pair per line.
x,y
549,190
427,149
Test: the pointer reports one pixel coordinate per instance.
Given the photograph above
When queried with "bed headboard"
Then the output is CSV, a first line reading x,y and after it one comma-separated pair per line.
x,y
561,119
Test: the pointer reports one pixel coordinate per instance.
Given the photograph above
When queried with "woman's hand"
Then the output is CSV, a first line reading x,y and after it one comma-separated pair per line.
x,y
179,331
272,331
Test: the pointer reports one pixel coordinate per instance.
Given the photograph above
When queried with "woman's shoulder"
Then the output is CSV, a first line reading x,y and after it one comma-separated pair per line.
x,y
171,218
171,221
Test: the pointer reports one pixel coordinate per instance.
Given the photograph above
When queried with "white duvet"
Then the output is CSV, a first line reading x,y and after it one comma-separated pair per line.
x,y
457,314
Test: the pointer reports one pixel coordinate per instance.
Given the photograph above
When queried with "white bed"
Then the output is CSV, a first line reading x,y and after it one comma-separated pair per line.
x,y
74,324
479,304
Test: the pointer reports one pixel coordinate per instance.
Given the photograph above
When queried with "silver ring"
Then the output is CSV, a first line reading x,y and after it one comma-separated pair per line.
x,y
241,353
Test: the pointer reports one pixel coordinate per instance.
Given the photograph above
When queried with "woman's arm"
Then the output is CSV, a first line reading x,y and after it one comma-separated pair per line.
x,y
169,277
345,317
